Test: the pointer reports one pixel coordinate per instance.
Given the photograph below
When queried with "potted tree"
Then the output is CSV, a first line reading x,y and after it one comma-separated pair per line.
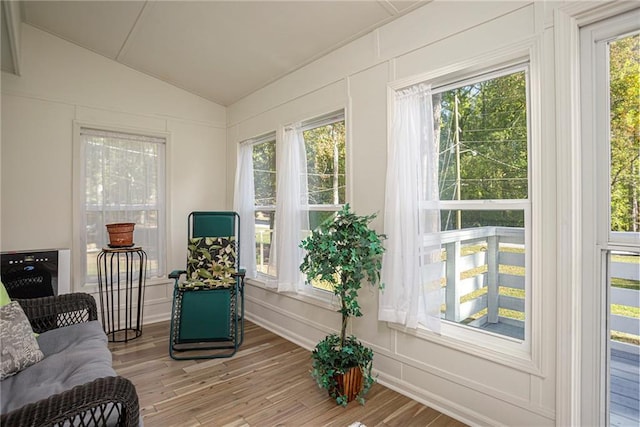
x,y
343,252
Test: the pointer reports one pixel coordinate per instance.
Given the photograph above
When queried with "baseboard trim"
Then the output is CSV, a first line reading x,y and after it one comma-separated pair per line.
x,y
284,333
431,400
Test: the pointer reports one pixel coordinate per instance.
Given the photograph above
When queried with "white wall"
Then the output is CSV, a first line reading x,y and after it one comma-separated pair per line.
x,y
61,83
436,36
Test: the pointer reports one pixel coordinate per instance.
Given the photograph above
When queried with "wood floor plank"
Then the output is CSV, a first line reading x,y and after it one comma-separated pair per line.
x,y
266,383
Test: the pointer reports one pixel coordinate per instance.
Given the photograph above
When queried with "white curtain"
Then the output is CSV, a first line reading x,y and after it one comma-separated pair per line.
x,y
292,209
244,205
412,265
122,177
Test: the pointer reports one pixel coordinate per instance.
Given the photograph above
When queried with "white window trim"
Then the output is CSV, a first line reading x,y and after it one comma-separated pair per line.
x,y
597,237
78,280
323,299
307,289
526,356
323,120
567,22
307,293
270,136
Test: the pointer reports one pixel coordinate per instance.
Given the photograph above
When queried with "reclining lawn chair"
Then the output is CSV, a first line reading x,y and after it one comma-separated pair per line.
x,y
207,318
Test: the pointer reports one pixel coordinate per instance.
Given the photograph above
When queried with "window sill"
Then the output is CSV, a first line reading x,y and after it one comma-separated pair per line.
x,y
486,345
318,298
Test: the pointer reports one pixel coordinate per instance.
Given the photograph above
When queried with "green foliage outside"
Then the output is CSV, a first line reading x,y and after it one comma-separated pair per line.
x,y
325,151
484,125
624,75
264,173
325,157
624,98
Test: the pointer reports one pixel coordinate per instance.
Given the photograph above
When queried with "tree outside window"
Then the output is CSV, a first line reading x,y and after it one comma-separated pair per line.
x,y
325,152
324,142
264,179
482,137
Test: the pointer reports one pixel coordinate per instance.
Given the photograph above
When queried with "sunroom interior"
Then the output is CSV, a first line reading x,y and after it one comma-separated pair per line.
x,y
537,313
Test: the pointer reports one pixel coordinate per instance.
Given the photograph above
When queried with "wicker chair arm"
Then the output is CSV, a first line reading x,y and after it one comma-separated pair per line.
x,y
62,310
103,400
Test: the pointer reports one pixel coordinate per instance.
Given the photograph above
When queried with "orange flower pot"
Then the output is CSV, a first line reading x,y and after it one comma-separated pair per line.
x,y
121,234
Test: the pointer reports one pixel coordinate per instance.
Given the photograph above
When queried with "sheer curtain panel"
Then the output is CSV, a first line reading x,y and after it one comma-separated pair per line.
x,y
412,264
292,209
123,176
244,204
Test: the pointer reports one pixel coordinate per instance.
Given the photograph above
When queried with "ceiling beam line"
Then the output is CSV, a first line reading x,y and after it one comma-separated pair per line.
x,y
125,44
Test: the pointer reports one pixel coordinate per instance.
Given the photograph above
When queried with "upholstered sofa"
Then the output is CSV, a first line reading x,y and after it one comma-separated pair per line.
x,y
74,383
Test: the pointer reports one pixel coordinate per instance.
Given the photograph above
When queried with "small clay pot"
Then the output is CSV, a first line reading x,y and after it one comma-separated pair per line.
x,y
121,234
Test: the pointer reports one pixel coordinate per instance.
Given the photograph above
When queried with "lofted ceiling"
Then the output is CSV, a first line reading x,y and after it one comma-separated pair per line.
x,y
220,50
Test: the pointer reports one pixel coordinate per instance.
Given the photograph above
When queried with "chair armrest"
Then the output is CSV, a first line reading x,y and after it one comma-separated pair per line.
x,y
62,310
175,274
240,274
91,404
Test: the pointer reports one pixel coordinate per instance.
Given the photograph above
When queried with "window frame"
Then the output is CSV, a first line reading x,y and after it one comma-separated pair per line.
x,y
79,201
522,204
322,120
597,238
264,138
327,119
320,297
525,356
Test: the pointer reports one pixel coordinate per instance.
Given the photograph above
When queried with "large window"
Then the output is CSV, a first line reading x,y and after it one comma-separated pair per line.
x,y
610,73
264,181
482,135
320,143
123,181
324,142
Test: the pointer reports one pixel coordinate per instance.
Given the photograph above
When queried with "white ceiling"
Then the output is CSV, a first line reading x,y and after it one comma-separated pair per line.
x,y
220,50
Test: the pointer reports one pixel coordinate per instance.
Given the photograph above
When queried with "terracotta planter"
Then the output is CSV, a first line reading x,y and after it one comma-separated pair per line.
x,y
120,234
350,383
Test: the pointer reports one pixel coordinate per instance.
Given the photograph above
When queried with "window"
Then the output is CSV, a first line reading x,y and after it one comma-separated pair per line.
x,y
123,181
324,142
264,181
313,152
624,60
482,134
610,60
623,267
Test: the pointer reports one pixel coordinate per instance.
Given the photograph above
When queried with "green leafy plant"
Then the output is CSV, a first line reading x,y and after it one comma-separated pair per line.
x,y
344,252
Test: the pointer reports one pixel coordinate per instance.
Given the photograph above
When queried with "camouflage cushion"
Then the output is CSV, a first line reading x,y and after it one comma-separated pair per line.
x,y
211,262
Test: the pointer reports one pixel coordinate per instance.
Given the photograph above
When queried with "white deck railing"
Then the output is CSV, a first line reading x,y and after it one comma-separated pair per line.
x,y
477,262
479,258
628,298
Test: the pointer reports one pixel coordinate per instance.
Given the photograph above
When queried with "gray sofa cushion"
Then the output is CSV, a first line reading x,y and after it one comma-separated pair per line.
x,y
73,355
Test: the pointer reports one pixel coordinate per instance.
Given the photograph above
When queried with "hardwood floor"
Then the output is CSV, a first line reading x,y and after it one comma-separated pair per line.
x,y
267,383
